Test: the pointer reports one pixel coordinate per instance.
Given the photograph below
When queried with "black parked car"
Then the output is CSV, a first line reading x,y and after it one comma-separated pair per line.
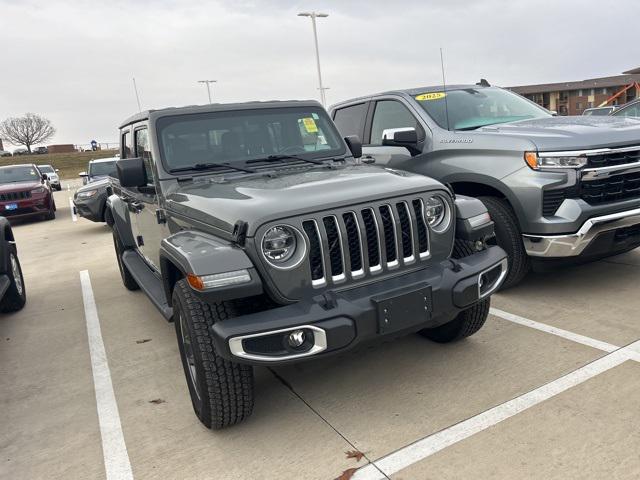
x,y
12,292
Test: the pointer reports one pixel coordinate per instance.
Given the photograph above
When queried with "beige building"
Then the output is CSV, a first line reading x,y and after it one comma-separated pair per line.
x,y
572,98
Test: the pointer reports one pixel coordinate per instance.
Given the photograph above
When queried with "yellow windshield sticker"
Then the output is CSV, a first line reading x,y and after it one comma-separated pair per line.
x,y
310,125
431,96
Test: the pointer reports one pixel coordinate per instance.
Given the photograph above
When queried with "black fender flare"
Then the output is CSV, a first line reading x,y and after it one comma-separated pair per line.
x,y
467,208
5,238
198,253
121,221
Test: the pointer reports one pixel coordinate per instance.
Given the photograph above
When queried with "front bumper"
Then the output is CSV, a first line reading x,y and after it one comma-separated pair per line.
x,y
26,207
339,320
91,208
613,232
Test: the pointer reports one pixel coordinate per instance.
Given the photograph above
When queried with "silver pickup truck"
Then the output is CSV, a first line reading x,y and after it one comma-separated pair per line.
x,y
559,189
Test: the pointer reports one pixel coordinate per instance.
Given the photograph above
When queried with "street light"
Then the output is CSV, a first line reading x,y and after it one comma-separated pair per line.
x,y
313,16
208,89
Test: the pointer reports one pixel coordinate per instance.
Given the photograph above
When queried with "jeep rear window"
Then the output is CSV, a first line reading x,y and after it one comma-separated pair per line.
x,y
472,108
241,135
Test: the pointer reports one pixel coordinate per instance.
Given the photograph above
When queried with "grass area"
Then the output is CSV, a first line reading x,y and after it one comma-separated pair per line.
x,y
69,164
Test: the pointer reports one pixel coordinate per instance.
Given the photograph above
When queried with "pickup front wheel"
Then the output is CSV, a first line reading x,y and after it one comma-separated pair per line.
x,y
221,391
509,237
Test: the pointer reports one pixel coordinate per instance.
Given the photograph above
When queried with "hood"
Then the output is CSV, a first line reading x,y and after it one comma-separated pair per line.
x,y
571,133
259,200
102,183
18,186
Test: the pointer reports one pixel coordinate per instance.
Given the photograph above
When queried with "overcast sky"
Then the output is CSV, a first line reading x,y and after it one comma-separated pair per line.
x,y
73,61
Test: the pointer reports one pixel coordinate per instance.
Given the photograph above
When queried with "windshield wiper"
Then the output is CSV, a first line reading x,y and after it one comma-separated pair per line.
x,y
276,158
212,166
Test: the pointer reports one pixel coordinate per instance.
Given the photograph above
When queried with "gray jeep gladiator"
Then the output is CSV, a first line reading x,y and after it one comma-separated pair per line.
x,y
559,189
257,231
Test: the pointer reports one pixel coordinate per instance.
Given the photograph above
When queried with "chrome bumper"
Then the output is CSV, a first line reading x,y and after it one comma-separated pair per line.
x,y
573,244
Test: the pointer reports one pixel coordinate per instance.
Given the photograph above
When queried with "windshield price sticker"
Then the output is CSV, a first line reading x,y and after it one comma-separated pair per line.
x,y
310,125
431,96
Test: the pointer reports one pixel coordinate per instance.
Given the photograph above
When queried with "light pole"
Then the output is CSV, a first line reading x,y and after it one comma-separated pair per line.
x,y
207,82
313,16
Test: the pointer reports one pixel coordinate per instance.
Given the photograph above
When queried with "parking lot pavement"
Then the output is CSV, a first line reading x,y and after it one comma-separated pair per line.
x,y
379,400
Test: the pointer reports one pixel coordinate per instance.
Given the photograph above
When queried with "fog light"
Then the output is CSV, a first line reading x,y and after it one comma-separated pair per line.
x,y
296,338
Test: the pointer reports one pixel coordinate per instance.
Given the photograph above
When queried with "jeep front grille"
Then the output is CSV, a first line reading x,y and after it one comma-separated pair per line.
x,y
366,241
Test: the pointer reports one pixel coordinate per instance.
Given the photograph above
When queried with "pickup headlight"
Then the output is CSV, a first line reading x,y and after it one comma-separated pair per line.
x,y
543,160
87,194
437,212
283,246
38,190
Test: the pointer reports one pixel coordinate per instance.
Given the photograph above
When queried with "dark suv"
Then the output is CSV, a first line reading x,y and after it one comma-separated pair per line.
x,y
256,230
25,192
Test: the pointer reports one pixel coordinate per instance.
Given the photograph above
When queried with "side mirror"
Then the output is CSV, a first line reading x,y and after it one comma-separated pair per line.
x,y
131,172
57,170
354,144
553,113
44,177
399,137
83,174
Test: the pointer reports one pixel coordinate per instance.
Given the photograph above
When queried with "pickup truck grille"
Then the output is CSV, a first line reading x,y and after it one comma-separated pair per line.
x,y
611,189
361,242
614,158
7,197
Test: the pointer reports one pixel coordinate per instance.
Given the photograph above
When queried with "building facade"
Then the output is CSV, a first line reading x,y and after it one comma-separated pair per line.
x,y
572,98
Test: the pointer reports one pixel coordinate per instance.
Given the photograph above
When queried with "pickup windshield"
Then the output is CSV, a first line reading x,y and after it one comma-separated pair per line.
x,y
472,108
22,173
238,137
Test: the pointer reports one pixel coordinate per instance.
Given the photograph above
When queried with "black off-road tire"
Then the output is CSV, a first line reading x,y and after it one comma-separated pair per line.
x,y
467,323
509,237
127,279
221,391
15,297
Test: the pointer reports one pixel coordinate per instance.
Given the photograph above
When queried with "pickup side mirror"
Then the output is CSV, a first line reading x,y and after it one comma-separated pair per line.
x,y
131,172
44,177
83,174
354,144
401,137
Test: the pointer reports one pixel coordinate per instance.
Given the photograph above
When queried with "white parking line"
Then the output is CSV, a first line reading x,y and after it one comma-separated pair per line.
x,y
574,337
114,450
74,217
427,446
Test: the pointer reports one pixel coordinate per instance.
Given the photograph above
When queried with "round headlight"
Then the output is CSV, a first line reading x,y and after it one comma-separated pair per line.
x,y
279,244
436,212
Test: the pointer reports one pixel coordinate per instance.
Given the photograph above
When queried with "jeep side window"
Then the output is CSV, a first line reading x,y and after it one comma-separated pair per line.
x,y
350,120
143,151
391,114
126,145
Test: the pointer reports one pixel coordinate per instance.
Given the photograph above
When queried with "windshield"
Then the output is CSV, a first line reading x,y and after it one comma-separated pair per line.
x,y
242,135
46,169
19,174
472,108
102,168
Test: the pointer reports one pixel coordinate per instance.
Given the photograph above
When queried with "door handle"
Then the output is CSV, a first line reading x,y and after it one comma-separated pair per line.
x,y
368,159
136,206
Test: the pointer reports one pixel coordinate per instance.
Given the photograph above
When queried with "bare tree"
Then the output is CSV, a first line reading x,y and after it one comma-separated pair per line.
x,y
28,130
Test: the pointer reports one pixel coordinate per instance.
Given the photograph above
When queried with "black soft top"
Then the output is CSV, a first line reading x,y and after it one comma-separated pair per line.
x,y
216,107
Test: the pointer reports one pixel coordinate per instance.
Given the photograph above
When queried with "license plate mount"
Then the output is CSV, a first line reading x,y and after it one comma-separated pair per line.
x,y
404,308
